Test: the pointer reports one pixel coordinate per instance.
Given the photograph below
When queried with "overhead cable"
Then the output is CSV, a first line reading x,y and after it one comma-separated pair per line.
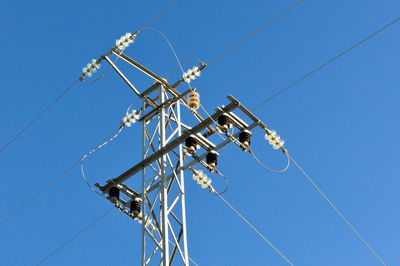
x,y
73,84
258,232
326,63
38,116
336,210
75,236
254,32
50,183
269,169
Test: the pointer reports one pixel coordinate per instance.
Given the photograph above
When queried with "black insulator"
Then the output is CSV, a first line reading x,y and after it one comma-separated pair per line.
x,y
224,121
245,136
212,158
191,143
114,192
135,206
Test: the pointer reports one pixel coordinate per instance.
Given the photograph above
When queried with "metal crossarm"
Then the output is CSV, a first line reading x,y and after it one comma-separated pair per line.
x,y
161,198
172,145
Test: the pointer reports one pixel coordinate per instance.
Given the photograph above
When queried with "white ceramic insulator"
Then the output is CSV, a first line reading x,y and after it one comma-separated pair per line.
x,y
196,71
271,135
274,140
279,145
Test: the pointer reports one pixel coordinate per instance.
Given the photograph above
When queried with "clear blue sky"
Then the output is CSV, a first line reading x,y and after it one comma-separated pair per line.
x,y
341,125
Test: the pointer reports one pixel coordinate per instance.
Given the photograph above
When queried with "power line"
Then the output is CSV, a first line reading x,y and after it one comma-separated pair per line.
x,y
251,34
336,210
263,237
156,17
269,169
51,183
326,63
81,232
73,84
75,236
39,115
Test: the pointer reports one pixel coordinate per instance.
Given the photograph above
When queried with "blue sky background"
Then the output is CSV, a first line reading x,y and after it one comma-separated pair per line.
x,y
341,125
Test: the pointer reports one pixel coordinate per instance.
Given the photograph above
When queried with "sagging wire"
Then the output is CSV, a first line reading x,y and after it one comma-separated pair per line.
x,y
227,185
114,135
168,42
180,66
269,169
23,205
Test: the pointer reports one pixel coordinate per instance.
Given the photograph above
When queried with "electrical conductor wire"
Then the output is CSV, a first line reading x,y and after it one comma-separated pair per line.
x,y
75,236
180,66
254,32
269,169
156,17
47,186
38,116
258,232
336,210
145,25
326,63
183,61
73,84
112,136
118,131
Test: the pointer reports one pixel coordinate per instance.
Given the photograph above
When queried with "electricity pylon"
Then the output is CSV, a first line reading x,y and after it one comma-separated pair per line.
x,y
167,145
162,197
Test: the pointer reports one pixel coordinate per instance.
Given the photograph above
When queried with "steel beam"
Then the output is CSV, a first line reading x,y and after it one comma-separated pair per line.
x,y
172,145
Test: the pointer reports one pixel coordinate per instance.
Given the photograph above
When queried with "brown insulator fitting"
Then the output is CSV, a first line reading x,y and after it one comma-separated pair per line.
x,y
224,121
245,139
191,143
194,100
212,158
135,206
113,194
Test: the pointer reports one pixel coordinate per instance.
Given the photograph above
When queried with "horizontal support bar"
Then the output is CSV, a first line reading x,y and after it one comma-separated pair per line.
x,y
172,145
201,157
149,90
249,114
166,104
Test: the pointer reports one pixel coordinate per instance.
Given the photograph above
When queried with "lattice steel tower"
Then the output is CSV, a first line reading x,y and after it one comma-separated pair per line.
x,y
169,148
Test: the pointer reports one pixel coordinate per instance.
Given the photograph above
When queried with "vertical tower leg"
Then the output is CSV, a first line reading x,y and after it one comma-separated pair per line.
x,y
163,185
163,228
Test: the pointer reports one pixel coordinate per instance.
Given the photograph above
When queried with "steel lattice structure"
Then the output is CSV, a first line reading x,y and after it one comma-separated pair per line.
x,y
164,160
